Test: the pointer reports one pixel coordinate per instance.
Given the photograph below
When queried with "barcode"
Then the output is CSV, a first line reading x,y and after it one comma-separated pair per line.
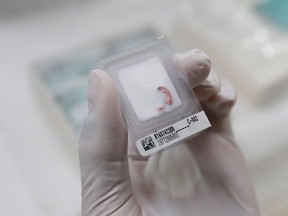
x,y
147,143
168,138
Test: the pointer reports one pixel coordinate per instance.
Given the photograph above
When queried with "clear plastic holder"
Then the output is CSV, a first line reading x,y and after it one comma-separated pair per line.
x,y
157,100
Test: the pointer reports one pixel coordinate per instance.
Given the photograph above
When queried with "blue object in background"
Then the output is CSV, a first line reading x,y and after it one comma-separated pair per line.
x,y
276,11
66,77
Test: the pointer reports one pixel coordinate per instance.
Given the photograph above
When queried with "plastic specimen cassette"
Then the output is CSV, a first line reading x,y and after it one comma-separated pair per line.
x,y
157,101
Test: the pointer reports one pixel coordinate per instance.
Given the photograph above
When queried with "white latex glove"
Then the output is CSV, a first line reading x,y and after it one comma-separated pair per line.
x,y
206,175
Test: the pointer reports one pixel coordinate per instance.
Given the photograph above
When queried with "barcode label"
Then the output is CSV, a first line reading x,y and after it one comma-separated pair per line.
x,y
148,143
168,138
172,134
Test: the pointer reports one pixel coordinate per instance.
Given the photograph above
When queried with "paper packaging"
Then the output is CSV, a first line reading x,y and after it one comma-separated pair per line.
x,y
157,101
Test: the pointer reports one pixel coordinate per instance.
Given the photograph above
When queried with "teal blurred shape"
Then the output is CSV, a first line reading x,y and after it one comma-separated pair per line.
x,y
276,11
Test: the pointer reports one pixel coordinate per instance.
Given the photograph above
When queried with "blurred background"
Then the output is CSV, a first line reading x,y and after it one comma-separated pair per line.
x,y
48,47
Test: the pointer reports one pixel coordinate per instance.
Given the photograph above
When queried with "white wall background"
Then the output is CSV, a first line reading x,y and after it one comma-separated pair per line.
x,y
16,8
39,170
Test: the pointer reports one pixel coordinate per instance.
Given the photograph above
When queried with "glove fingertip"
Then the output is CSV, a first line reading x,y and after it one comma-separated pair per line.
x,y
222,103
196,64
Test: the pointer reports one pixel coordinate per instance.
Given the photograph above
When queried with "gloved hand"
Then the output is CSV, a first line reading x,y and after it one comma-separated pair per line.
x,y
206,175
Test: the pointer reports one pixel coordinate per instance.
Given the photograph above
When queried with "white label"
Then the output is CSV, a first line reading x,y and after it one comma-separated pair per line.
x,y
172,134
